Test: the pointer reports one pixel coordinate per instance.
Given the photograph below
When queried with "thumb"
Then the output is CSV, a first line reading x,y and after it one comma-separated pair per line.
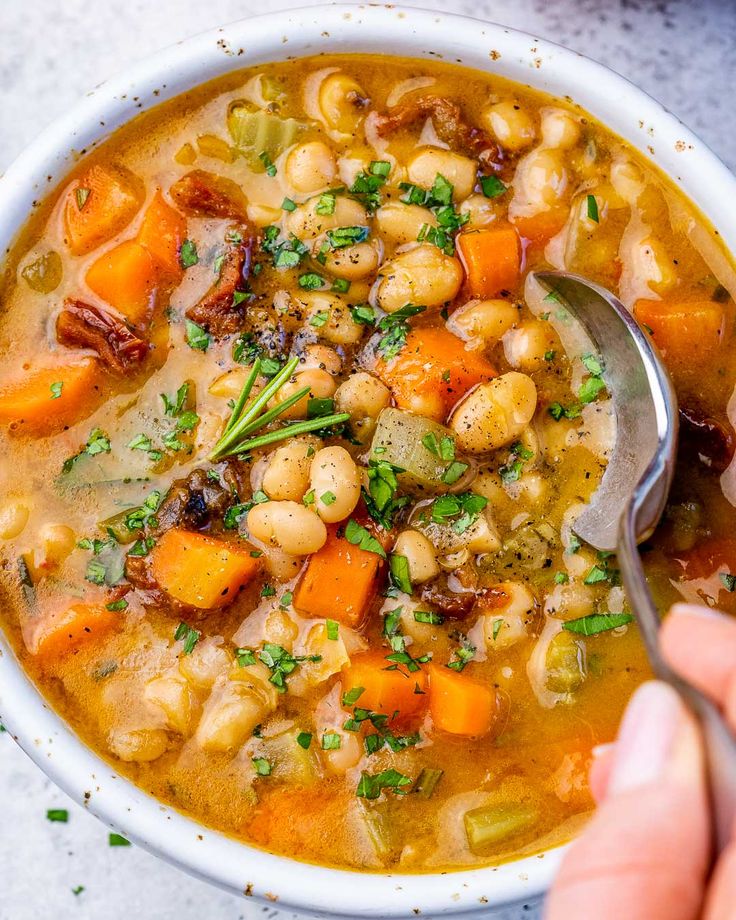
x,y
645,852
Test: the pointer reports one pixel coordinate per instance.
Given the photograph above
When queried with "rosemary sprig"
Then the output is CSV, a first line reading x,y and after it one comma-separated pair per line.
x,y
247,418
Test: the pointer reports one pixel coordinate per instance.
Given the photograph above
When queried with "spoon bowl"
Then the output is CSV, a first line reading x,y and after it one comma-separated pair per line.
x,y
629,502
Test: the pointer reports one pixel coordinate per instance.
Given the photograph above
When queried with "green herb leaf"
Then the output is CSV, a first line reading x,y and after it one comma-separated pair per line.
x,y
196,337
331,741
56,389
117,840
304,740
492,186
188,635
597,623
399,570
263,766
593,208
358,535
188,255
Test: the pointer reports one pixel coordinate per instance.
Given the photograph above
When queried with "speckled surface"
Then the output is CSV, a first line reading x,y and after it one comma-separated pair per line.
x,y
50,54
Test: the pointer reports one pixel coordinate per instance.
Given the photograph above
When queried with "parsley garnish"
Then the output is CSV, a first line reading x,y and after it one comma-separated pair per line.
x,y
597,623
358,535
395,328
188,635
188,255
196,337
461,511
56,389
371,786
367,185
492,186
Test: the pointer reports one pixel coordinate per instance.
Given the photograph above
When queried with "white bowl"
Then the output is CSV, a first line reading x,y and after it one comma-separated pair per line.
x,y
392,30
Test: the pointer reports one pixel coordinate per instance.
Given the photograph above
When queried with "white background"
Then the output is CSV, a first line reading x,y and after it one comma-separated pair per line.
x,y
51,52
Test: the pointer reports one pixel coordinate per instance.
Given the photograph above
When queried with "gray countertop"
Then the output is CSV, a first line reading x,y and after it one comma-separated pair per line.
x,y
50,54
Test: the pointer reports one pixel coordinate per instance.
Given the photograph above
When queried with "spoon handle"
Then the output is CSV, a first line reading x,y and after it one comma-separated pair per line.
x,y
720,744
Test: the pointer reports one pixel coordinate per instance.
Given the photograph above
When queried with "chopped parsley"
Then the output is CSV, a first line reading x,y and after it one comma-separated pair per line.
x,y
97,443
728,580
395,328
263,766
188,255
463,655
429,617
311,281
268,163
371,786
367,185
121,604
56,389
304,740
196,337
326,204
288,205
492,187
332,628
188,635
341,237
461,511
331,741
597,623
399,572
439,200
359,536
511,471
592,208
363,314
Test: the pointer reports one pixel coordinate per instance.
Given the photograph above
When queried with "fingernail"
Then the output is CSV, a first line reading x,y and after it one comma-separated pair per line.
x,y
600,750
646,737
698,610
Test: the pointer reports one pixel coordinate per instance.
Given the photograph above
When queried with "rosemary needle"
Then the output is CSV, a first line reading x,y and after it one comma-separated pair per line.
x,y
247,418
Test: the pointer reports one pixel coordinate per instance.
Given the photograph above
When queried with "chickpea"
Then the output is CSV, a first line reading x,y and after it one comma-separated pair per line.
x,y
172,696
541,179
230,384
627,179
310,167
402,223
363,397
423,275
205,664
307,224
342,759
494,413
570,601
353,262
482,321
280,565
512,127
140,745
56,541
13,519
419,554
341,100
528,347
286,477
322,357
280,629
340,327
231,714
481,211
560,129
289,526
460,171
262,215
321,386
336,481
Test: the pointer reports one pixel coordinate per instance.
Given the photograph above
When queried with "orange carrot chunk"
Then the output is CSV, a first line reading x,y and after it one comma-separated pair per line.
x,y
126,278
49,397
162,232
432,372
65,630
97,206
492,260
199,570
389,692
687,332
339,582
541,227
459,705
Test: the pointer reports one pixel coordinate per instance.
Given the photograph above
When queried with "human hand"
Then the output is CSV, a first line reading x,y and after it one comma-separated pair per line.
x,y
645,853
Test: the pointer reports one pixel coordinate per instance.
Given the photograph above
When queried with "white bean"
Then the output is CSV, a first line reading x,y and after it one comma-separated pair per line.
x,y
13,519
286,477
481,321
310,167
494,413
512,127
336,481
420,555
289,526
401,223
460,171
531,345
363,396
171,695
321,386
423,275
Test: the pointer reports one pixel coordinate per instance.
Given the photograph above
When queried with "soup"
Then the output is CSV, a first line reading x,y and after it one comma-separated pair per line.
x,y
295,445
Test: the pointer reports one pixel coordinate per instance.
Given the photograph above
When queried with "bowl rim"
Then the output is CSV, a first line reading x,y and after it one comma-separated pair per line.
x,y
619,105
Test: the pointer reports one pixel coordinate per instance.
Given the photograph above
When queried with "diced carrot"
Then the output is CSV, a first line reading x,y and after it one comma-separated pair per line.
x,y
97,206
432,372
539,228
49,397
339,582
398,693
199,570
492,260
459,705
65,630
686,332
162,232
708,557
126,278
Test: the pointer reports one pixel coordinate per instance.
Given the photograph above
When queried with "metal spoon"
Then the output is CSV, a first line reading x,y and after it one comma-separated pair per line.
x,y
631,497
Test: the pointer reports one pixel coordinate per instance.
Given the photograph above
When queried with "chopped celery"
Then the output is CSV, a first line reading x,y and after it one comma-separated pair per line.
x,y
212,146
492,824
401,439
255,132
290,760
44,275
118,528
378,828
566,667
427,782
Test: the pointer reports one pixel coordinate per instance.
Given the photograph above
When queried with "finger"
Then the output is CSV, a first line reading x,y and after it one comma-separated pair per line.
x,y
645,852
701,645
600,770
721,903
